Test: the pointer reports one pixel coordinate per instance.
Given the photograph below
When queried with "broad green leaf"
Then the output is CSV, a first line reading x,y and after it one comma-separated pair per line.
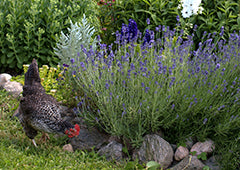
x,y
152,165
3,59
19,65
219,15
10,54
10,60
221,9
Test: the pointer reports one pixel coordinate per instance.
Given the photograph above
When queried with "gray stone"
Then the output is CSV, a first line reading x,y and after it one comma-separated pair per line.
x,y
4,78
68,148
113,151
181,153
212,163
155,148
189,142
207,146
174,147
189,163
13,87
88,139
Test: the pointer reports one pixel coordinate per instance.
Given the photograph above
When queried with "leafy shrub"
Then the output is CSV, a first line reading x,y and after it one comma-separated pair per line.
x,y
70,49
159,12
71,45
215,15
106,18
220,16
132,91
29,28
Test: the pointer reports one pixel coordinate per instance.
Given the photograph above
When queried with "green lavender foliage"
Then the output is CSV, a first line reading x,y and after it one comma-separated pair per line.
x,y
69,46
29,28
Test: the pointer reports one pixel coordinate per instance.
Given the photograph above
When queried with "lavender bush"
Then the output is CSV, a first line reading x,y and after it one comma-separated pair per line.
x,y
150,83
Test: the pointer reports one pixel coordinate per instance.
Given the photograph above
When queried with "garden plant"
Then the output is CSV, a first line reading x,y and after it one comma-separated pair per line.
x,y
156,82
155,68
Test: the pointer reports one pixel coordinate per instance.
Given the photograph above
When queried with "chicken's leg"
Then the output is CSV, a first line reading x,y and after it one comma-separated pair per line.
x,y
44,137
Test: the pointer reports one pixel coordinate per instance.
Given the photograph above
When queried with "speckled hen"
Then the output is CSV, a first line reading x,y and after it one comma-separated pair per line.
x,y
39,111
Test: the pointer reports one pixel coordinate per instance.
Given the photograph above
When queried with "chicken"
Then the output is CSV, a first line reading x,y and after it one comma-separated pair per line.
x,y
39,111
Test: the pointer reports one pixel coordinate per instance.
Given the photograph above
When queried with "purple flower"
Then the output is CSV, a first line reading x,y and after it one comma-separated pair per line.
x,y
132,28
129,31
181,60
217,66
148,21
82,64
222,31
178,18
124,29
98,38
74,73
65,65
195,27
146,37
146,89
72,60
107,86
204,121
123,113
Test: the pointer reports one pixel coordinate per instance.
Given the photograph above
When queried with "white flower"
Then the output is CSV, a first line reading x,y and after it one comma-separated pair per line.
x,y
53,90
200,10
190,7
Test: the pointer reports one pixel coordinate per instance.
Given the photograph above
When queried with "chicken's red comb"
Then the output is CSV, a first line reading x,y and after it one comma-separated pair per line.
x,y
77,127
73,132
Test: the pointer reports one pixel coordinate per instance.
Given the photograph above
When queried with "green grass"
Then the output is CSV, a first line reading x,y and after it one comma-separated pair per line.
x,y
17,151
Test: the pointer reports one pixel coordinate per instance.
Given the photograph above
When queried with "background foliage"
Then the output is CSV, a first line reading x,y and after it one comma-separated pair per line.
x,y
216,13
29,29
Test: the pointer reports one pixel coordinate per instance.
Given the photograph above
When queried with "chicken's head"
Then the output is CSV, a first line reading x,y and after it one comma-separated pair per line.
x,y
73,131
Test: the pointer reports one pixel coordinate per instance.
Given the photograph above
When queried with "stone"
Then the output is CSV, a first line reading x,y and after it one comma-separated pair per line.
x,y
174,147
212,163
155,148
88,139
181,153
113,151
189,163
68,148
13,88
207,146
189,142
4,78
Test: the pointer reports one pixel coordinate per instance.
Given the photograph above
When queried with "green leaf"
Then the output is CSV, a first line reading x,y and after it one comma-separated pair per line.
x,y
193,153
152,165
146,2
221,9
19,65
3,59
219,14
10,54
202,156
10,60
238,21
